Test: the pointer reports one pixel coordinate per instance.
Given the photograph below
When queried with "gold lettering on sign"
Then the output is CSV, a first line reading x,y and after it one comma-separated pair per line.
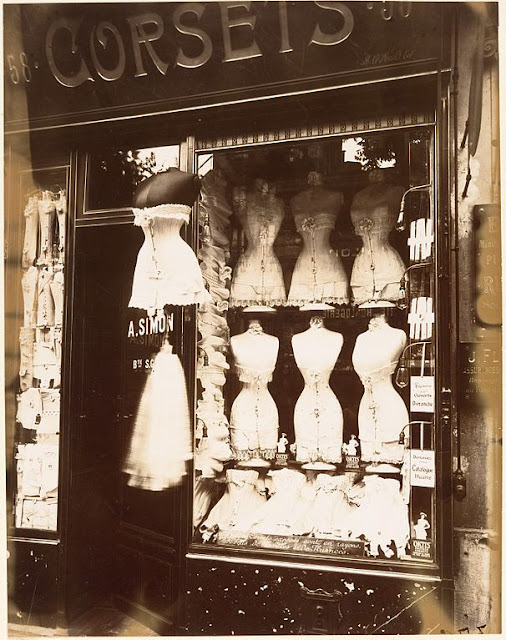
x,y
139,36
182,59
99,34
72,25
319,37
227,23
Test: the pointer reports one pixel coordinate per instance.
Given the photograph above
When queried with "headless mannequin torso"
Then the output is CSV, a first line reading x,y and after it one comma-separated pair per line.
x,y
382,413
318,417
319,275
254,415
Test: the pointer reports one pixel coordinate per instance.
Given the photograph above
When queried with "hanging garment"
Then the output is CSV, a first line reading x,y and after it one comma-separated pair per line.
x,y
56,287
167,271
46,367
50,417
45,302
29,410
161,438
31,233
61,213
47,217
205,493
29,286
26,339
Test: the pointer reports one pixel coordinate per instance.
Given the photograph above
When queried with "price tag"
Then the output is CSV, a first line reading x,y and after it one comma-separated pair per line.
x,y
422,396
422,468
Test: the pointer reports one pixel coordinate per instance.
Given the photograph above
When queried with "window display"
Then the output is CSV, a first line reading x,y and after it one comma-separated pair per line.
x,y
315,433
40,347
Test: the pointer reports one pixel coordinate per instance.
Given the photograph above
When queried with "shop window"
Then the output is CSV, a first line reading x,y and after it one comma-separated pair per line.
x,y
43,198
113,175
315,432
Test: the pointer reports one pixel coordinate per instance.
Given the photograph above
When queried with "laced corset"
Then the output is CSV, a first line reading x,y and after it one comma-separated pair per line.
x,y
314,378
375,224
371,378
160,231
261,219
318,275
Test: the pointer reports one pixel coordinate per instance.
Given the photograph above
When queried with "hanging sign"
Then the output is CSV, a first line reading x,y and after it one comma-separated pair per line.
x,y
77,63
423,468
422,396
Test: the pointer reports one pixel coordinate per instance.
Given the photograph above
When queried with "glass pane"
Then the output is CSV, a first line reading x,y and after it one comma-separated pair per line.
x,y
40,329
315,360
112,176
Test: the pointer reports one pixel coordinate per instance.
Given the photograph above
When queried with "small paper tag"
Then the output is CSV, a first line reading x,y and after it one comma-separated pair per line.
x,y
423,468
421,549
352,462
422,394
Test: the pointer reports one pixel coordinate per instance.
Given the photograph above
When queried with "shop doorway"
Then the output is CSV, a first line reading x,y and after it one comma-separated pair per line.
x,y
123,542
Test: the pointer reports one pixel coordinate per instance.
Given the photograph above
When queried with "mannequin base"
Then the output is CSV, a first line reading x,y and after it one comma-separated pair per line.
x,y
319,466
254,463
259,308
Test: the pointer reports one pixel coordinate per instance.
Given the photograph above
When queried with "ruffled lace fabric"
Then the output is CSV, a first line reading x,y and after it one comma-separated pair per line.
x,y
318,419
167,271
161,440
283,513
331,515
381,515
238,506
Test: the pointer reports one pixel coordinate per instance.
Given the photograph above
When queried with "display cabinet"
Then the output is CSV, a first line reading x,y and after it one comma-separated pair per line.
x,y
316,438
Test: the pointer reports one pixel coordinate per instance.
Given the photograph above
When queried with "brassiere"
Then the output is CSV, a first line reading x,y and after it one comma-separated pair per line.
x,y
372,377
144,217
253,376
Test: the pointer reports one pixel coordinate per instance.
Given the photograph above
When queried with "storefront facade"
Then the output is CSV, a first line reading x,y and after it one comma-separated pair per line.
x,y
347,234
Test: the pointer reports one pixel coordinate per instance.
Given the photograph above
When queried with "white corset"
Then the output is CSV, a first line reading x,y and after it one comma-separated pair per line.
x,y
47,213
31,232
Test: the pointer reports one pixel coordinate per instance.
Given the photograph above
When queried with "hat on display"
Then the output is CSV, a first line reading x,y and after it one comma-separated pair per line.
x,y
169,187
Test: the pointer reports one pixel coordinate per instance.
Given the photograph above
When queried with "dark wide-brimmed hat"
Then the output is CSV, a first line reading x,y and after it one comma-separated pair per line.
x,y
169,187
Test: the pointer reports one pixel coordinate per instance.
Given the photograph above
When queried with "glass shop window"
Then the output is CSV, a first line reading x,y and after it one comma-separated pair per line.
x,y
315,429
113,175
38,320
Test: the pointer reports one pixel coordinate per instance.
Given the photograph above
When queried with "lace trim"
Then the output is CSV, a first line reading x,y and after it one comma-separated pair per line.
x,y
249,454
246,374
300,302
330,454
143,217
275,302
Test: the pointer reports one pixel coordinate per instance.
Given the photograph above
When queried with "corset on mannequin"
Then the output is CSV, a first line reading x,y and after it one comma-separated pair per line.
x,y
382,413
318,417
257,277
378,268
254,416
56,286
47,214
45,301
31,232
319,275
167,270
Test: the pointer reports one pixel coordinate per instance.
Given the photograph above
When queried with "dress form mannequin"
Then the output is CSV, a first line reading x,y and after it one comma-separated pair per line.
x,y
318,417
254,415
382,413
319,275
378,268
258,278
31,231
47,214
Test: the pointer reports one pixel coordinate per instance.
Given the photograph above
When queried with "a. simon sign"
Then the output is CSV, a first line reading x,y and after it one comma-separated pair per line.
x,y
75,63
